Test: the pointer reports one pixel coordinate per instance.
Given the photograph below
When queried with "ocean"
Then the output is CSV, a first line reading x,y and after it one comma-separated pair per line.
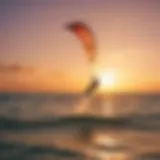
x,y
59,126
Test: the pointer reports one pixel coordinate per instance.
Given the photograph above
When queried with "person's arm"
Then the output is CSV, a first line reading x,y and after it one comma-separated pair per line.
x,y
93,85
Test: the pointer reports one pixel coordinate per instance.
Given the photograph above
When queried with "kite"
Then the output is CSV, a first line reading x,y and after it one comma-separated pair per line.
x,y
86,37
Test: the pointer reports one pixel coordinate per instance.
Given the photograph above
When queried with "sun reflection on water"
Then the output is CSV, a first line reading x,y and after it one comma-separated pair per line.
x,y
107,147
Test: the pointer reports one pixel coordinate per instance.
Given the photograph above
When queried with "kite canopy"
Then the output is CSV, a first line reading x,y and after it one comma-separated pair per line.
x,y
85,35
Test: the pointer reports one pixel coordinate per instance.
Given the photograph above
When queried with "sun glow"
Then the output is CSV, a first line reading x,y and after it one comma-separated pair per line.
x,y
108,79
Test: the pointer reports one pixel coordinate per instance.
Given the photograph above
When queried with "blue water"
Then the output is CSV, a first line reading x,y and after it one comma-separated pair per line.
x,y
49,126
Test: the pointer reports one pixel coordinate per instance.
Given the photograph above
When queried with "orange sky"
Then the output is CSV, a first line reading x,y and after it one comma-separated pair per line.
x,y
38,54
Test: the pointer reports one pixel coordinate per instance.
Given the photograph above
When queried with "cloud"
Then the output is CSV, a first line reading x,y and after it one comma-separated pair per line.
x,y
18,77
15,68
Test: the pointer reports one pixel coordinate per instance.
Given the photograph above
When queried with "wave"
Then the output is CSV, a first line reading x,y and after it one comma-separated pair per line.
x,y
9,123
151,122
20,151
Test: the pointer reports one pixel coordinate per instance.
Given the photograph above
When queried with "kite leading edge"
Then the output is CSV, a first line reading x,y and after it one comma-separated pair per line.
x,y
85,35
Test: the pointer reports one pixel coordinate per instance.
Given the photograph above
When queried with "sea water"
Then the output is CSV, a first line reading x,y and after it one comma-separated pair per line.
x,y
47,126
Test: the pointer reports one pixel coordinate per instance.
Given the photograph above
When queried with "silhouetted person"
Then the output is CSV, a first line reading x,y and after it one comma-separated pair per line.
x,y
91,87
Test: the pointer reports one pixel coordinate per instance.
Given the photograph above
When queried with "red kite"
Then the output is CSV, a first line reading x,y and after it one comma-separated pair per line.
x,y
86,37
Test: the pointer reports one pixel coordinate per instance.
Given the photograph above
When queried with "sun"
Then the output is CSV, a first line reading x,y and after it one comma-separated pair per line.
x,y
107,79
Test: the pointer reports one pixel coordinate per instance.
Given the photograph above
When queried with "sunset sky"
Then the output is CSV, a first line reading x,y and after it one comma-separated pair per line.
x,y
38,54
